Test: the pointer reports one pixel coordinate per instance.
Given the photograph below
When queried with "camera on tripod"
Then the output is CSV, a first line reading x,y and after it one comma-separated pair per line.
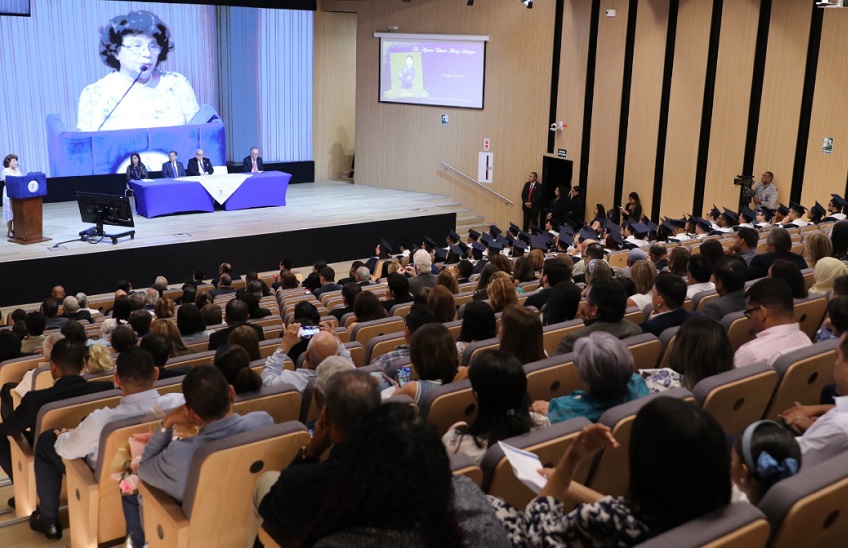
x,y
746,184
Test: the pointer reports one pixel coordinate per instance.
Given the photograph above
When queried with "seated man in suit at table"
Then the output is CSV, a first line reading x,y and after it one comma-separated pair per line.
x,y
173,168
253,162
200,165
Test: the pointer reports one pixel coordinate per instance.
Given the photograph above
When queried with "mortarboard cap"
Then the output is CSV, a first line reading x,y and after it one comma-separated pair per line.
x,y
453,236
731,216
456,250
703,224
431,241
782,209
538,241
386,246
748,213
494,230
496,246
520,245
514,228
615,236
477,246
798,208
473,234
838,200
565,239
818,210
638,228
487,238
715,212
586,233
440,254
652,226
535,229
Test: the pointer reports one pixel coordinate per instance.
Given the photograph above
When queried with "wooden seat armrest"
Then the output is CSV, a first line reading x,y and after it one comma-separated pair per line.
x,y
79,475
23,470
165,524
83,502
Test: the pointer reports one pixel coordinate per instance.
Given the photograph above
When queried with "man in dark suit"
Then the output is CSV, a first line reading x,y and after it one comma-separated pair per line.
x,y
253,162
407,74
669,293
327,277
778,246
576,208
554,271
173,168
398,291
531,201
730,285
236,315
225,287
66,363
200,165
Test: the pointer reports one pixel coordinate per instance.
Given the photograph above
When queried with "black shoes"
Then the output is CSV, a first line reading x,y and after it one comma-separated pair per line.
x,y
50,530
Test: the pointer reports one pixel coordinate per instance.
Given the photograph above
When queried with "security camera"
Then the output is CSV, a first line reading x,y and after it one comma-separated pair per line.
x,y
554,127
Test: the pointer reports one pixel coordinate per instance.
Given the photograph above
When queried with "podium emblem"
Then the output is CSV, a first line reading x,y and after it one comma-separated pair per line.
x,y
32,186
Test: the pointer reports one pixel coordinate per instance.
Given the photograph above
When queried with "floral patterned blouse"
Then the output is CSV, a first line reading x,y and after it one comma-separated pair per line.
x,y
167,100
607,522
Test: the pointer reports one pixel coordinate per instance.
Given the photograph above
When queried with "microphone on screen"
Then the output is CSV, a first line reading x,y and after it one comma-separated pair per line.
x,y
142,70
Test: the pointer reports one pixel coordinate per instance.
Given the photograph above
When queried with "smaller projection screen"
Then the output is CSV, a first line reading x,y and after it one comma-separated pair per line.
x,y
432,69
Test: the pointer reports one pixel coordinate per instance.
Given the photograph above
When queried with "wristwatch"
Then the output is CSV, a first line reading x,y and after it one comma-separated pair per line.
x,y
163,428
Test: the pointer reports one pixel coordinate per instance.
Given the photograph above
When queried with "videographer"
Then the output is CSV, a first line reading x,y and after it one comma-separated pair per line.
x,y
766,193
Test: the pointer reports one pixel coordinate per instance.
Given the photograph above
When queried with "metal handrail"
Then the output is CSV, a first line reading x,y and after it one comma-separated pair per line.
x,y
448,167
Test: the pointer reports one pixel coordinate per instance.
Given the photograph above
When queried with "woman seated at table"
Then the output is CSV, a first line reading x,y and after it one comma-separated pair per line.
x,y
136,170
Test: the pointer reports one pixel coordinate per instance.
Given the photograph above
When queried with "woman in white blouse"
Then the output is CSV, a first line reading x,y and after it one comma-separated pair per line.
x,y
10,167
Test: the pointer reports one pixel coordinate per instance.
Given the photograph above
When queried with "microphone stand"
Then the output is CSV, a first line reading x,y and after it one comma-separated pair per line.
x,y
143,68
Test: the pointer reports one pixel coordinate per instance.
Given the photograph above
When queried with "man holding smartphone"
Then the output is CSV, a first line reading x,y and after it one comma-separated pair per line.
x,y
323,343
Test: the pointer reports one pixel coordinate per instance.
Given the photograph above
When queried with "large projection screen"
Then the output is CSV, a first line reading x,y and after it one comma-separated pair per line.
x,y
444,70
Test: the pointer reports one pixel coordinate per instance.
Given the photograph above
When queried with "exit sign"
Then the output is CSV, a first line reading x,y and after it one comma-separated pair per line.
x,y
562,153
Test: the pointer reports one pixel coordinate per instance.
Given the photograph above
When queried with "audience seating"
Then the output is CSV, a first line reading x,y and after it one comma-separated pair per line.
x,y
308,407
809,313
365,331
609,472
448,404
635,315
737,525
282,402
645,348
552,334
357,353
477,346
618,259
222,470
738,397
94,499
400,310
200,358
802,375
455,328
739,329
547,443
382,344
810,508
462,464
552,377
667,340
13,370
809,277
701,299
57,415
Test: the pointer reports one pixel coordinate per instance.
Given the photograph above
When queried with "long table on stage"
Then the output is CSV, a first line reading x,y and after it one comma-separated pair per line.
x,y
156,197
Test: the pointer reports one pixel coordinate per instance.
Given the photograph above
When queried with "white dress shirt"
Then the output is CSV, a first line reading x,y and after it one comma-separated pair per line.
x,y
694,289
828,436
84,441
770,344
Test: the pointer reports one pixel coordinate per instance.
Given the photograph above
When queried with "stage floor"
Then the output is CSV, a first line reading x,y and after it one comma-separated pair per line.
x,y
308,205
330,220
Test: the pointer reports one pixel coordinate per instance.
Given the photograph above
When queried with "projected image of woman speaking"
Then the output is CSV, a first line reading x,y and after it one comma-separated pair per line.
x,y
136,94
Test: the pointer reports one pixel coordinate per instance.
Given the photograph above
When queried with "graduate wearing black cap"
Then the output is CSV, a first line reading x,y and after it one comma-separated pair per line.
x,y
816,213
764,217
473,236
636,234
794,217
702,228
835,207
726,221
747,217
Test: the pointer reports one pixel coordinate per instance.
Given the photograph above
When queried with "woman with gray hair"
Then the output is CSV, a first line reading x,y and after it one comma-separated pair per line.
x,y
606,368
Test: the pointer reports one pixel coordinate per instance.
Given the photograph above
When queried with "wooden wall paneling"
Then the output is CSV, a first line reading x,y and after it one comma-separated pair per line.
x,y
606,117
685,106
401,146
826,173
734,74
645,98
783,85
334,94
572,81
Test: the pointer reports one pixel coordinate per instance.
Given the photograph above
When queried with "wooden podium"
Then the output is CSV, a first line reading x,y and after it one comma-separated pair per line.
x,y
25,194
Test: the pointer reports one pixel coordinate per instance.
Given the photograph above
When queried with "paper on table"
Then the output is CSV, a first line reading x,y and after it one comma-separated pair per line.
x,y
525,466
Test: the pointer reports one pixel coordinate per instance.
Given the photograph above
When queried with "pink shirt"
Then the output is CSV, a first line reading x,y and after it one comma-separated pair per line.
x,y
770,344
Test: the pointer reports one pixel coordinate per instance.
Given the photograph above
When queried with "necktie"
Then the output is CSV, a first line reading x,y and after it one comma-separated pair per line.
x,y
254,166
176,173
530,194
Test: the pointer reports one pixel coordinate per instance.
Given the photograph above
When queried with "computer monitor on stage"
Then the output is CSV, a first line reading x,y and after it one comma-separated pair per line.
x,y
104,209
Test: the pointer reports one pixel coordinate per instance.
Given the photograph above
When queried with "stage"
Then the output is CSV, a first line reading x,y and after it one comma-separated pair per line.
x,y
328,220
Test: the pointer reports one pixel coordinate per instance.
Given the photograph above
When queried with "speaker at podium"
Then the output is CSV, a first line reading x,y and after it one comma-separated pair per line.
x,y
25,194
